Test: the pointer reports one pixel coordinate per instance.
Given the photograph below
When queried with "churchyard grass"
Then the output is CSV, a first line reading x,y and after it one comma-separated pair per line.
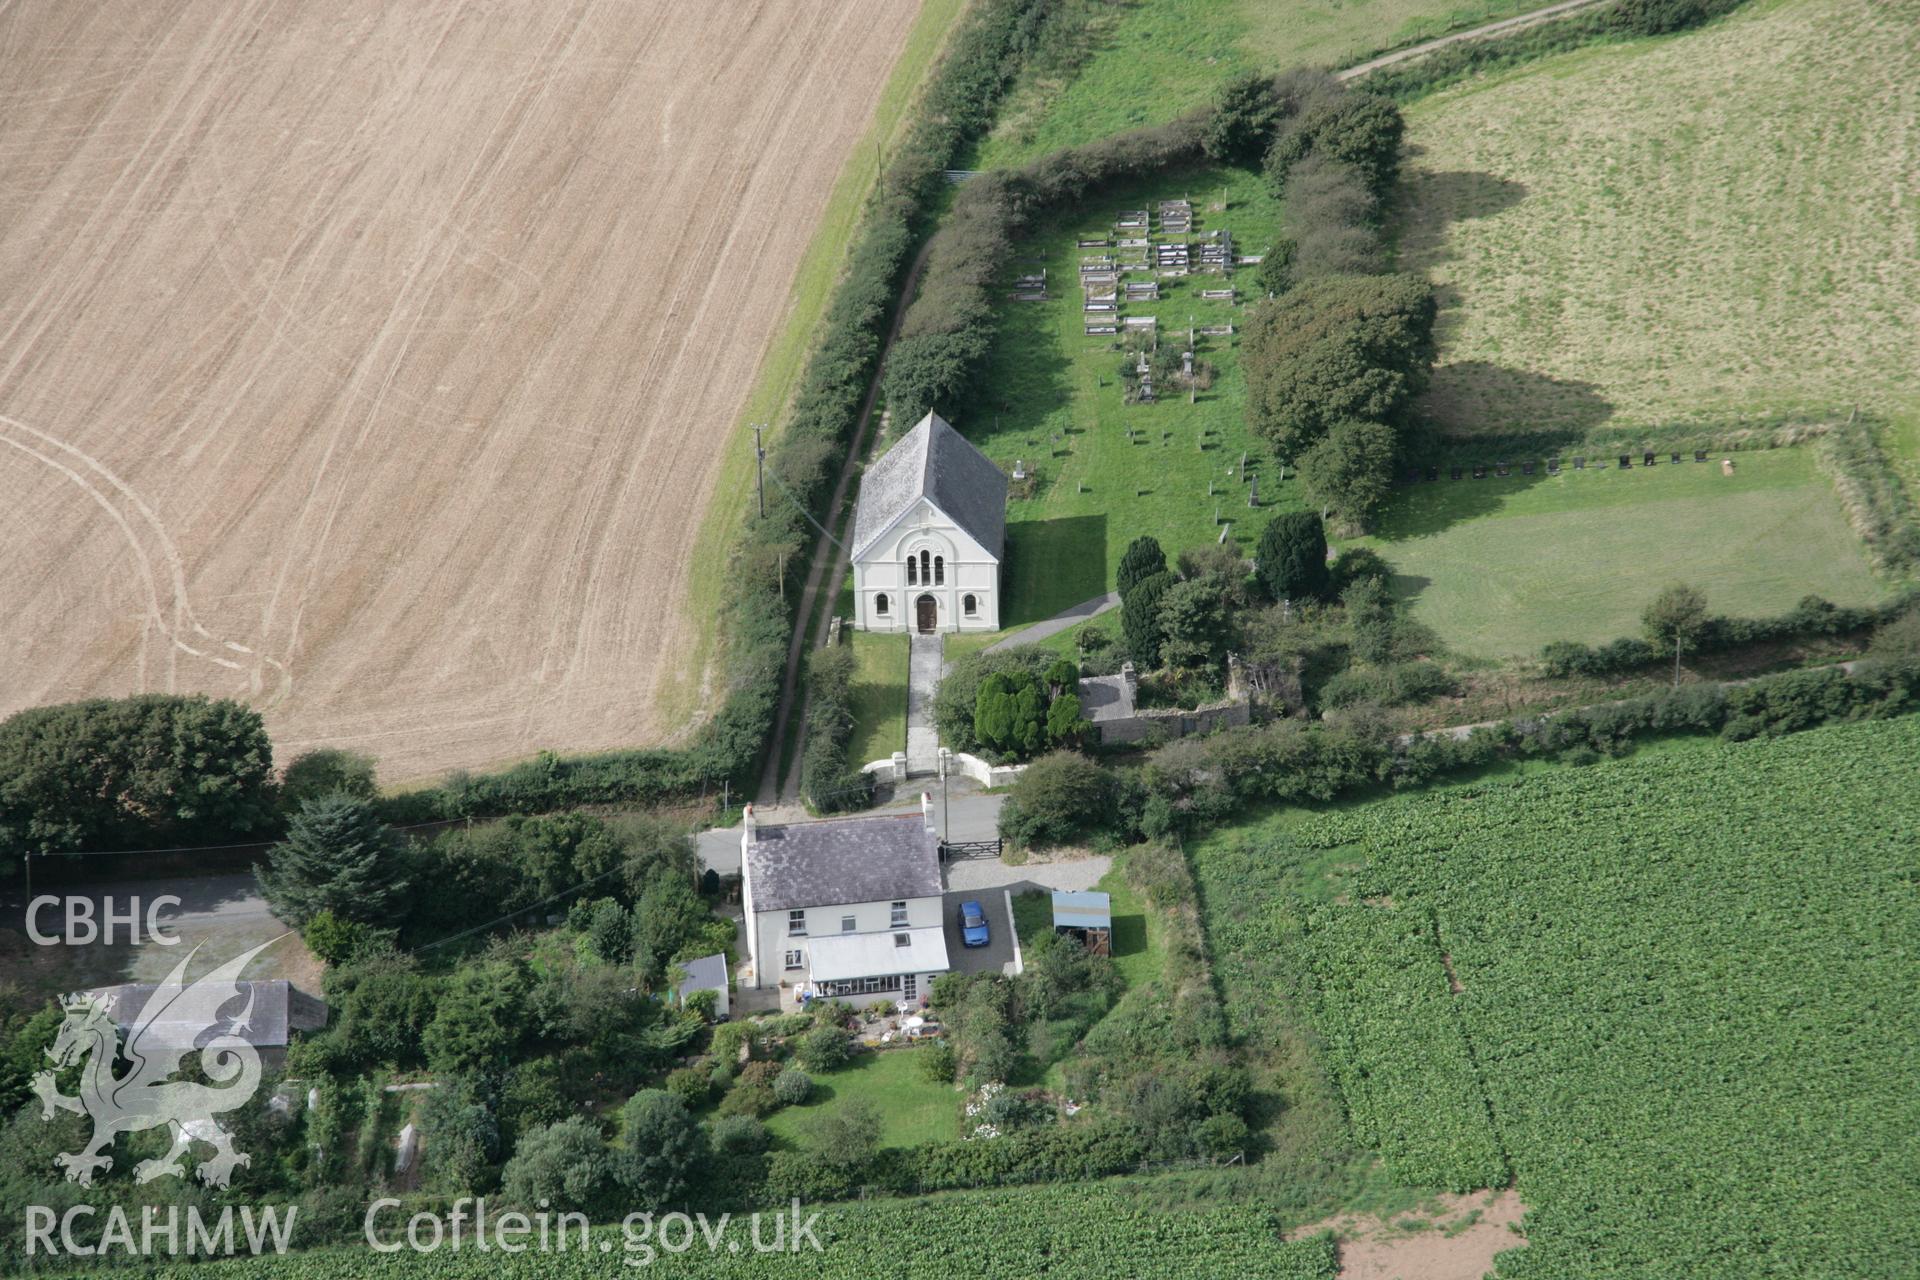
x,y
879,697
1051,397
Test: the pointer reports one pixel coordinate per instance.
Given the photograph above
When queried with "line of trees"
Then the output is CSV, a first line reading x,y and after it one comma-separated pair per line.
x,y
1337,354
1621,19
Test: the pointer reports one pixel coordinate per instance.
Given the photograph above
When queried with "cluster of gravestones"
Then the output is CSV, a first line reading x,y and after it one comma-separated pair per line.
x,y
1480,470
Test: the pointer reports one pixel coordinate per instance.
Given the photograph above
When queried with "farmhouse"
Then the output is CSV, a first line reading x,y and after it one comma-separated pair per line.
x,y
844,908
928,534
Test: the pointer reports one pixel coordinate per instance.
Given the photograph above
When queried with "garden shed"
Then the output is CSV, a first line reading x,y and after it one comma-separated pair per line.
x,y
1088,916
708,973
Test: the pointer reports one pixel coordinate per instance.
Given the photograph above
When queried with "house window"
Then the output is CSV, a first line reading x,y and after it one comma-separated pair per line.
x,y
899,915
902,939
873,984
970,605
796,959
796,924
939,570
913,572
880,604
846,924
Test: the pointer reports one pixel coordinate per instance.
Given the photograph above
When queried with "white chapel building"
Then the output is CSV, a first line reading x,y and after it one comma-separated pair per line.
x,y
928,534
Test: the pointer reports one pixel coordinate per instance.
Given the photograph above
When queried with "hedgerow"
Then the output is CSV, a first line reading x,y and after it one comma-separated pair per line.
x,y
1624,19
827,780
1810,618
1197,783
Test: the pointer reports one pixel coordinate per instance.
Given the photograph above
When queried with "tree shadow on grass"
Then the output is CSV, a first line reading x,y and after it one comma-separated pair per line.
x,y
1430,507
1431,201
1470,400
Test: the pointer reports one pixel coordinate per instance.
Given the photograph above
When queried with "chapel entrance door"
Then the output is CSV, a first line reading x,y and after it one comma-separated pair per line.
x,y
927,615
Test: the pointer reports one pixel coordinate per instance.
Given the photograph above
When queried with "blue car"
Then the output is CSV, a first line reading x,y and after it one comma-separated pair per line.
x,y
973,924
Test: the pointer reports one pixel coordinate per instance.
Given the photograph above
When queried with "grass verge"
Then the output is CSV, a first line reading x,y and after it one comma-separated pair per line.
x,y
879,697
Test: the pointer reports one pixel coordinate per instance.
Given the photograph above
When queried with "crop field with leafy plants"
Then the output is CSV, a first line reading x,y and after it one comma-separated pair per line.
x,y
1084,1232
1684,980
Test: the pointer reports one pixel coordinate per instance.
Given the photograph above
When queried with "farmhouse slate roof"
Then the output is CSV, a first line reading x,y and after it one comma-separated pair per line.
x,y
820,864
272,1007
935,462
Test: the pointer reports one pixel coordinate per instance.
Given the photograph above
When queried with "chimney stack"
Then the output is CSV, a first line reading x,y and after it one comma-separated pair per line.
x,y
750,827
926,812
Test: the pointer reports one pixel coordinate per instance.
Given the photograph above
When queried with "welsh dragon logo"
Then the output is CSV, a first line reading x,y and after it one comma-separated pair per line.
x,y
175,1018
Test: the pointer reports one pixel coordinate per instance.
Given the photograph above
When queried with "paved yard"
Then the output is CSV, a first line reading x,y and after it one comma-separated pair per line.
x,y
997,956
989,881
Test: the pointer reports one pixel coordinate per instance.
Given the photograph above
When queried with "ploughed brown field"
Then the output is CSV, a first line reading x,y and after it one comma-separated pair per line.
x,y
371,362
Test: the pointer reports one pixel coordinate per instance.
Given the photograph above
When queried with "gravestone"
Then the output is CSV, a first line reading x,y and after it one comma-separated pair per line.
x,y
1579,464
1699,455
1526,468
1413,475
1454,472
1433,473
1553,466
1626,461
1676,457
1502,470
1479,471
1646,459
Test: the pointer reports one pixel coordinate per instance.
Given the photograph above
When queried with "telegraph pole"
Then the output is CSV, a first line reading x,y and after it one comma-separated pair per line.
x,y
760,470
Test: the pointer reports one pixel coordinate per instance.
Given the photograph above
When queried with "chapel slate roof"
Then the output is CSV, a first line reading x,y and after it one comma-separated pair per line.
x,y
935,462
819,864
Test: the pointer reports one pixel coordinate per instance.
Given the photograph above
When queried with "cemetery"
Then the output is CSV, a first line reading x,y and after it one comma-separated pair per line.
x,y
1126,452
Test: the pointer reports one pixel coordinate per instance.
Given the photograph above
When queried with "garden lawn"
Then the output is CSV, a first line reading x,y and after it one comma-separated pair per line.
x,y
1111,65
1717,225
1685,979
1499,567
879,697
1051,397
912,1108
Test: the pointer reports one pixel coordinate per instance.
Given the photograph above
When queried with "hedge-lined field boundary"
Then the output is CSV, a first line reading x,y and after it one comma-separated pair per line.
x,y
1622,20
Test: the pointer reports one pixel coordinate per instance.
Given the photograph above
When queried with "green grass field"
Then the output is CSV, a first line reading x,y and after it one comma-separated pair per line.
x,y
1698,228
912,1108
1131,63
1499,567
1685,978
1053,399
879,698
